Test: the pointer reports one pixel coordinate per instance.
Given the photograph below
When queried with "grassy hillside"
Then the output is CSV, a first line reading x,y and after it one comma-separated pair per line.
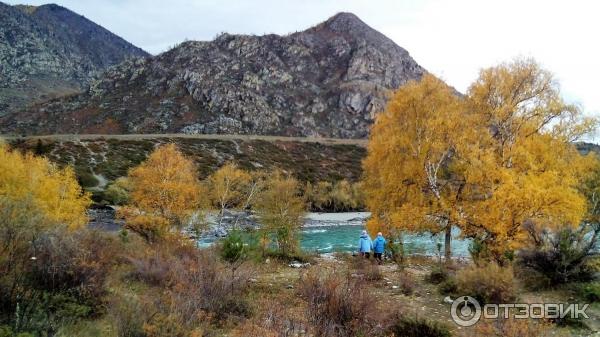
x,y
308,159
111,158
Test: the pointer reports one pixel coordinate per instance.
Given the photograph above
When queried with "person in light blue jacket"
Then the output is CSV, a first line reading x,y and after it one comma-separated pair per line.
x,y
365,245
379,247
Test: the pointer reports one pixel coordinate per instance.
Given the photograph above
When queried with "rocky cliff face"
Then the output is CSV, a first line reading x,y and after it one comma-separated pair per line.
x,y
329,80
49,51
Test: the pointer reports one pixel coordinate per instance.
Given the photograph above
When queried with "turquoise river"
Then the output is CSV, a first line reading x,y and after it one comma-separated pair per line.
x,y
339,232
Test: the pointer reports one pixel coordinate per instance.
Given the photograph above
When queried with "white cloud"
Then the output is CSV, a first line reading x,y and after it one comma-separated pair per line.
x,y
453,39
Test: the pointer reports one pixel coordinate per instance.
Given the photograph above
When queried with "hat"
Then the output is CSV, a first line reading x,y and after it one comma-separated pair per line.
x,y
364,232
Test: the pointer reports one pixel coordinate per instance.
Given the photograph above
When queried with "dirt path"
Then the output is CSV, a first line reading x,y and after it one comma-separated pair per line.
x,y
72,137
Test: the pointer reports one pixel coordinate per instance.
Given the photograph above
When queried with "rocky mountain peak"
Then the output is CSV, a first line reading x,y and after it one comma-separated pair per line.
x,y
48,51
344,21
327,81
52,7
353,30
28,9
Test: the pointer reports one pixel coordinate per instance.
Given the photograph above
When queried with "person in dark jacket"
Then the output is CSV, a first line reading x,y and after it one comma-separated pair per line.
x,y
379,247
365,245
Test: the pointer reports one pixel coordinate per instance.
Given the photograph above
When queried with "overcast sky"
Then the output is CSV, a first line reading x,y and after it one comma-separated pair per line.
x,y
452,39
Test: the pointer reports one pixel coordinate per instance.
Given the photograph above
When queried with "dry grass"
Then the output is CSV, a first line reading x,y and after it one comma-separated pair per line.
x,y
489,283
338,305
513,328
368,270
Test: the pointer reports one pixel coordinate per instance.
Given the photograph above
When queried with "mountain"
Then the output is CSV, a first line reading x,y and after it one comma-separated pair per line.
x,y
48,51
585,148
327,81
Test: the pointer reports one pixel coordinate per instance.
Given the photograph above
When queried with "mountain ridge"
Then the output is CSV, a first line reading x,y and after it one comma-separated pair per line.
x,y
326,81
48,51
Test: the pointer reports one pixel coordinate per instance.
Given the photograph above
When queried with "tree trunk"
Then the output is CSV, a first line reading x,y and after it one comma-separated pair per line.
x,y
221,213
401,244
447,244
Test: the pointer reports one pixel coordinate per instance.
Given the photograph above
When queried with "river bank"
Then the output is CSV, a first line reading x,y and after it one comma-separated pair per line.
x,y
322,233
325,233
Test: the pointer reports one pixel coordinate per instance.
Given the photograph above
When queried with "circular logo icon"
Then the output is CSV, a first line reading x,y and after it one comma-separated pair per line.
x,y
465,311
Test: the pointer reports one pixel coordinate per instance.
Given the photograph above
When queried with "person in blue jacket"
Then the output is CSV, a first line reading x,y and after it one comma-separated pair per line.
x,y
365,245
379,247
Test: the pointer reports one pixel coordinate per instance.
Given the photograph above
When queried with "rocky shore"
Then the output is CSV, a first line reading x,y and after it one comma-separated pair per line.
x,y
103,218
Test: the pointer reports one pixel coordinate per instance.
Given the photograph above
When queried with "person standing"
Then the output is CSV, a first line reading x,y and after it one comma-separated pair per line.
x,y
379,247
365,245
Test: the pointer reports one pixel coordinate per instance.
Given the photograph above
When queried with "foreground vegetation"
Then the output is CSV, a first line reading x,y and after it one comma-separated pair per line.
x,y
61,279
128,287
516,187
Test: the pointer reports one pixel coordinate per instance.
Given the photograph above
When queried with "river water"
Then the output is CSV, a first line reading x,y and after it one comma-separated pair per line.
x,y
339,232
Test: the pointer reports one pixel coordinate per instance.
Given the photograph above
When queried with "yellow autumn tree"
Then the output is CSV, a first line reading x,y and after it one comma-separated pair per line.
x,y
165,193
36,197
343,196
498,163
526,170
52,190
318,195
414,146
231,187
281,208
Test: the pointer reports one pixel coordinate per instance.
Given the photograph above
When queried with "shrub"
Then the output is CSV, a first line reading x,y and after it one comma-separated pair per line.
x,y
406,326
339,196
478,251
88,328
437,275
488,283
129,315
395,250
367,270
277,320
572,322
49,311
513,328
77,263
115,194
232,247
253,329
202,284
63,282
337,305
286,257
87,179
564,257
195,282
6,331
590,292
448,287
153,268
406,283
195,289
163,325
481,253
